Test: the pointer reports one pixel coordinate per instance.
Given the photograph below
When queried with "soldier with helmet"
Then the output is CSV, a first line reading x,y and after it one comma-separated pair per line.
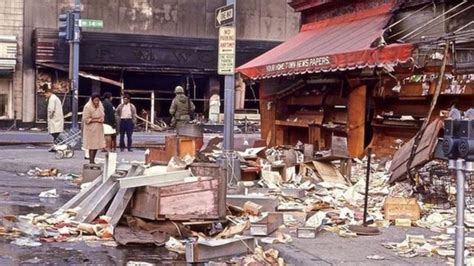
x,y
181,108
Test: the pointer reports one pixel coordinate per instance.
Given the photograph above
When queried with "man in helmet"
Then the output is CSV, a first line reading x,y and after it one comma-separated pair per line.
x,y
181,108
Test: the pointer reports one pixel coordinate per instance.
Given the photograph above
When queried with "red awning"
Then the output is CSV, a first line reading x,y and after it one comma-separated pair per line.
x,y
327,46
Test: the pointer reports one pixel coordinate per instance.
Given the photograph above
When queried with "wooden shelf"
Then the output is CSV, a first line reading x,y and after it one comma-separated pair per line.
x,y
309,100
291,124
395,126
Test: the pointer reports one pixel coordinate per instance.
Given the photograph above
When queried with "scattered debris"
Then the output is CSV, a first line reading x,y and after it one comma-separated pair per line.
x,y
375,257
52,193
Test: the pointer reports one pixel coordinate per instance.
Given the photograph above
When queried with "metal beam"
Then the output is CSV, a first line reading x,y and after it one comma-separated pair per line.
x,y
149,180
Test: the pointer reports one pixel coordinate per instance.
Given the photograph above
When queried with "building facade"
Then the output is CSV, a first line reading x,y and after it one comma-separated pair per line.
x,y
11,39
366,72
146,47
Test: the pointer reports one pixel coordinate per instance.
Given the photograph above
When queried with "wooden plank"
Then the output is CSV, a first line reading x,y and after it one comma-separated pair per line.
x,y
269,204
193,199
356,121
144,202
328,172
139,181
216,171
83,194
423,153
205,250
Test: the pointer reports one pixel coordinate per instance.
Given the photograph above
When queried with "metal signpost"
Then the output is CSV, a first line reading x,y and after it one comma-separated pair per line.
x,y
226,66
458,146
70,29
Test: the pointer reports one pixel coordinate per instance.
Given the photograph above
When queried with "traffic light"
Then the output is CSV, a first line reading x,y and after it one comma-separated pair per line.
x,y
66,26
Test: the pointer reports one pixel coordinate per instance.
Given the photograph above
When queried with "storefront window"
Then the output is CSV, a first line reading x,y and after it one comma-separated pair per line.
x,y
3,106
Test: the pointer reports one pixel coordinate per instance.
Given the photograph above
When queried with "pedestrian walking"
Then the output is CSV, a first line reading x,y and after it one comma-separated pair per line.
x,y
110,123
181,108
128,118
55,112
92,126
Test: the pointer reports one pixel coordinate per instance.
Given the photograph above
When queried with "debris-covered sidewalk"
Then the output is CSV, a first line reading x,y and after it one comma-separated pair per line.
x,y
293,204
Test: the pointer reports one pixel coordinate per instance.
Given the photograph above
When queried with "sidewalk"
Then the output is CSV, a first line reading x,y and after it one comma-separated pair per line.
x,y
21,158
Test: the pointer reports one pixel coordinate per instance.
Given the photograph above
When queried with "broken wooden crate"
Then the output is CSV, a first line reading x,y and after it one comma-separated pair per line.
x,y
193,198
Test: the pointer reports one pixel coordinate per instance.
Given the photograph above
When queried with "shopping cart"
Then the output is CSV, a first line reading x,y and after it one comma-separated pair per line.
x,y
65,144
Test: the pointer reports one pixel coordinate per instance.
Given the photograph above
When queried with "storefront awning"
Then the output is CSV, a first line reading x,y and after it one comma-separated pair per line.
x,y
330,46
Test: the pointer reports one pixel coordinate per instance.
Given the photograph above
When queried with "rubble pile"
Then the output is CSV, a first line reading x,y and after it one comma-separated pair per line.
x,y
183,206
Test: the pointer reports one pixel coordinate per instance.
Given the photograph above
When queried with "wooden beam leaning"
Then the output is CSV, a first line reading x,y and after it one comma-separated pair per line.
x,y
148,180
209,249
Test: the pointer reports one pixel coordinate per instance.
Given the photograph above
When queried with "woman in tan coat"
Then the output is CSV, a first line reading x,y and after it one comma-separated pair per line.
x,y
93,130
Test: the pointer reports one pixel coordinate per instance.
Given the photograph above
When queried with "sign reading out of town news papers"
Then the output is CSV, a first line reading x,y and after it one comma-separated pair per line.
x,y
226,62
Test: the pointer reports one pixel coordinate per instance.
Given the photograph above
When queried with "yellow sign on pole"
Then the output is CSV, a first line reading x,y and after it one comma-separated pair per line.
x,y
226,59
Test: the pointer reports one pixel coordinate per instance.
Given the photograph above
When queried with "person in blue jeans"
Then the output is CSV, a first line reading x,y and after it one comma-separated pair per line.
x,y
128,118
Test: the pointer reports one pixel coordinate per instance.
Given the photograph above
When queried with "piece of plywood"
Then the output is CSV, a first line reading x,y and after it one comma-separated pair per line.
x,y
356,121
328,172
423,154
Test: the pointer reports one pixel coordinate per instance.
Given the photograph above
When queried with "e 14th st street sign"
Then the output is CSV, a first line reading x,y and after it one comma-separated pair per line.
x,y
225,15
91,23
226,59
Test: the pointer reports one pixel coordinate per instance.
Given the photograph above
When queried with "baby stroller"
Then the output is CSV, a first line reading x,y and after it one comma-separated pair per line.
x,y
65,143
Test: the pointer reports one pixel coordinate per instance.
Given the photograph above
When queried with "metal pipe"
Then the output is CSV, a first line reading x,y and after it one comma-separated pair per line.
x,y
459,241
367,183
430,21
231,162
74,64
397,22
436,24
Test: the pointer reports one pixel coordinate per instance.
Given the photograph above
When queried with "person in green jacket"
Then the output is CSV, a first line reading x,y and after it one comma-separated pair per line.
x,y
110,123
181,108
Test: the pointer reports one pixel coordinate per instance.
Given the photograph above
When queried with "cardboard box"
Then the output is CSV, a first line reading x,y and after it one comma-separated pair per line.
x,y
401,208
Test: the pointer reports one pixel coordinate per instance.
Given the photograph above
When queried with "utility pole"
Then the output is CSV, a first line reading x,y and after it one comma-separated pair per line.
x,y
225,21
74,63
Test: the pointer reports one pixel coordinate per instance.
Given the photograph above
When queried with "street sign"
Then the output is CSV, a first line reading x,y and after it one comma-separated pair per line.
x,y
91,23
225,15
226,59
